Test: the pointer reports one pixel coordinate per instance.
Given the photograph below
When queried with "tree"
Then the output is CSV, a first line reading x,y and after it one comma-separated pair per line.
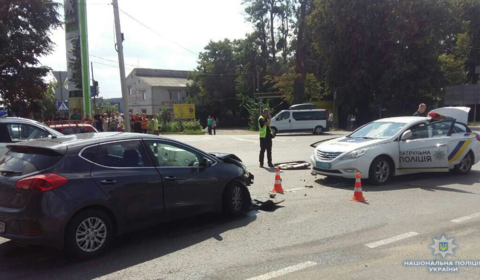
x,y
300,55
45,105
24,29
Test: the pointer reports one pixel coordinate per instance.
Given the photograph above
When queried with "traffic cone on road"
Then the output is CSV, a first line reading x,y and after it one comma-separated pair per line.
x,y
357,193
277,188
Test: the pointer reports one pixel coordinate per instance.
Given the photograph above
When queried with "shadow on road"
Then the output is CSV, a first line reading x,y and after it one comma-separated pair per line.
x,y
34,262
424,181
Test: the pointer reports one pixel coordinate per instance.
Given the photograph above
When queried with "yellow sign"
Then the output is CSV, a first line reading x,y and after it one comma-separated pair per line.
x,y
184,111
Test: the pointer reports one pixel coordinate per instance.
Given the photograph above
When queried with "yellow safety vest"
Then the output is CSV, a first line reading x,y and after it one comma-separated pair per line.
x,y
263,130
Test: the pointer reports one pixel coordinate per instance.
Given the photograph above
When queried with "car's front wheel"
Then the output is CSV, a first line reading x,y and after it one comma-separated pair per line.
x,y
318,130
89,234
236,199
465,164
380,171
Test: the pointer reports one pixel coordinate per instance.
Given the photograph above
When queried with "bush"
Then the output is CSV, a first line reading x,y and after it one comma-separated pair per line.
x,y
187,127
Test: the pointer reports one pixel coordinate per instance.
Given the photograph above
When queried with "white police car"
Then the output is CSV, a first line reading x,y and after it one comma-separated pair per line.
x,y
402,145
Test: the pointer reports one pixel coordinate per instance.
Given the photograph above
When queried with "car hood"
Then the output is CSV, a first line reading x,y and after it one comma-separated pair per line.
x,y
225,156
345,144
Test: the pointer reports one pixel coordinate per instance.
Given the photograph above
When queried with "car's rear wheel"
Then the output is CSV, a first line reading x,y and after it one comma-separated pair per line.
x,y
465,164
89,234
236,199
380,171
318,130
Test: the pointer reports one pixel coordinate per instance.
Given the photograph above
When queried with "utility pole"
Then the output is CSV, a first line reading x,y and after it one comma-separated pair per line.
x,y
94,91
121,62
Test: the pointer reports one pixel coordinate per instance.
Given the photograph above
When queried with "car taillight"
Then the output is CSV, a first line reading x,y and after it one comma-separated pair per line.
x,y
41,183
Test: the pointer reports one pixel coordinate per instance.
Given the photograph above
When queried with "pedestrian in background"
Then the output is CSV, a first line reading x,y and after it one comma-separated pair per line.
x,y
421,110
75,116
120,121
144,123
214,126
209,124
330,120
155,124
265,137
98,120
137,123
87,119
105,122
217,123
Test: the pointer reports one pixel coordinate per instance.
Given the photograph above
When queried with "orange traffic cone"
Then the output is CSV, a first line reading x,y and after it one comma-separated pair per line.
x,y
277,188
357,193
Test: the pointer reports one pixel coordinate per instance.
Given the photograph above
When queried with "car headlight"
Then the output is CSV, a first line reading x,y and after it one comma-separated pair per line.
x,y
355,154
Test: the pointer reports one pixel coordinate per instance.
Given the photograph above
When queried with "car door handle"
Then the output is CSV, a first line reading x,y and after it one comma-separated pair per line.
x,y
170,178
441,145
108,182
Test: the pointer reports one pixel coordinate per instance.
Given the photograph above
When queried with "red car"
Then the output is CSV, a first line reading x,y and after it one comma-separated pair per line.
x,y
69,127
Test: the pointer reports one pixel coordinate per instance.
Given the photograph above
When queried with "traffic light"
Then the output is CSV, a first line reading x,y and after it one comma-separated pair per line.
x,y
95,90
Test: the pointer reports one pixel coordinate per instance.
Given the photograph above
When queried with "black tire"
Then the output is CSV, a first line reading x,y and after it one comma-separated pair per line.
x,y
381,170
318,130
465,165
236,200
77,224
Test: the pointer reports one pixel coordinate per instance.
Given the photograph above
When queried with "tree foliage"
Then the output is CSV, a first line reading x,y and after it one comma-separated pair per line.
x,y
24,28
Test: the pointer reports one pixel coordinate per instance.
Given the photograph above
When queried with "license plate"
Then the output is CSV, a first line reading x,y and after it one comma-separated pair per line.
x,y
324,165
2,227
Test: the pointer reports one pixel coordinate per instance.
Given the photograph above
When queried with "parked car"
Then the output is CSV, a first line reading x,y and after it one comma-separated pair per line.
x,y
78,192
312,120
73,128
18,129
401,145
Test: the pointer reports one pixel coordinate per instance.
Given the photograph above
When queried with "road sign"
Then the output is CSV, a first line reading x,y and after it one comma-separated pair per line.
x,y
184,111
62,106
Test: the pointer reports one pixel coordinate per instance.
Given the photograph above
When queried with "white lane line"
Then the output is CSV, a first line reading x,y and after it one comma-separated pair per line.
x,y
240,139
466,218
295,189
391,239
283,271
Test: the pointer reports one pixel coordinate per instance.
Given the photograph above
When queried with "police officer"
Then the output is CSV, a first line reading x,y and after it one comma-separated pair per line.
x,y
265,137
421,110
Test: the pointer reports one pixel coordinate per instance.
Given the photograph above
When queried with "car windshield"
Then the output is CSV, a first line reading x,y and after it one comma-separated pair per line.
x,y
53,132
378,130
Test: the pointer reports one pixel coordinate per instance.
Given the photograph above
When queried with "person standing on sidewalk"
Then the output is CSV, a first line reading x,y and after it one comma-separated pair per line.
x,y
421,110
209,124
144,123
214,126
265,137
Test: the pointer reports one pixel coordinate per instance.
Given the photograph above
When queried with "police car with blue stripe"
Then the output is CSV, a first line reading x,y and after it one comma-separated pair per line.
x,y
402,145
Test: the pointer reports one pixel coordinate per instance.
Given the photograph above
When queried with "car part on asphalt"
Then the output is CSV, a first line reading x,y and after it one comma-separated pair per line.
x,y
293,165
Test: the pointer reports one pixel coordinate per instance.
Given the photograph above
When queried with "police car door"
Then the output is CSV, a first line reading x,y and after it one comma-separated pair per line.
x,y
427,149
460,143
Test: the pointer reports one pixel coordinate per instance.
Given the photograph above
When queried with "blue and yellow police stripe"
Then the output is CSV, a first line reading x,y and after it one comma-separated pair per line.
x,y
458,151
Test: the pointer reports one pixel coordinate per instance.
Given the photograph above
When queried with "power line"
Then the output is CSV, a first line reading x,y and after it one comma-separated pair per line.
x,y
111,60
100,63
159,34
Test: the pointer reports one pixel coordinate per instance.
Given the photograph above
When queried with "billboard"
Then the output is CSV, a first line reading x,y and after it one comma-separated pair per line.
x,y
76,37
184,111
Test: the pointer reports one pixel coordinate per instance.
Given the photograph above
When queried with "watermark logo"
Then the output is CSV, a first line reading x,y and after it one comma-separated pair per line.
x,y
443,246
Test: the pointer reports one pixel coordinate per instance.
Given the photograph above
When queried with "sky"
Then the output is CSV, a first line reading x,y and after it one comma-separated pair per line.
x,y
182,28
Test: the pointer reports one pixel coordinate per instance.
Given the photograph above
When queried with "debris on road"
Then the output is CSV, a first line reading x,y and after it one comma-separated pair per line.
x,y
268,205
309,187
293,165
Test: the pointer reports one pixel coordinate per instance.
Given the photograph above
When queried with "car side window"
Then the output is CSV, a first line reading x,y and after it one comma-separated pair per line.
x,y
438,129
22,132
90,153
122,154
459,128
171,155
283,116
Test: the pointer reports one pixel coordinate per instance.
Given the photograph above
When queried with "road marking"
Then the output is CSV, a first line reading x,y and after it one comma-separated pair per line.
x,y
466,218
283,271
391,239
296,189
240,139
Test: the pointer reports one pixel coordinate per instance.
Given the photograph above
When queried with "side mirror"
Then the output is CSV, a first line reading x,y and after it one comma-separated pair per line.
x,y
206,163
406,135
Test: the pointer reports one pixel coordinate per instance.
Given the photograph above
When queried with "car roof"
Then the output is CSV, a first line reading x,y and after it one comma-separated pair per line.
x,y
17,120
403,119
61,144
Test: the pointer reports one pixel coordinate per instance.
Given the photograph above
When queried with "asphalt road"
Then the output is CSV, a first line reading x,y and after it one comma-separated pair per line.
x,y
317,233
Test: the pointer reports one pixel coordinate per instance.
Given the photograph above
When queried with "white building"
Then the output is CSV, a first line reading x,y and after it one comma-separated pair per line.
x,y
150,89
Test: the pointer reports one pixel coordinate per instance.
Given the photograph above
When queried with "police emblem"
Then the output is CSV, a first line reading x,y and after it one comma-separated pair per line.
x,y
439,155
443,246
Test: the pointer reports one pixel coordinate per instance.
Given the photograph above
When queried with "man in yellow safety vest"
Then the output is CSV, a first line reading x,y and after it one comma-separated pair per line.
x,y
265,137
